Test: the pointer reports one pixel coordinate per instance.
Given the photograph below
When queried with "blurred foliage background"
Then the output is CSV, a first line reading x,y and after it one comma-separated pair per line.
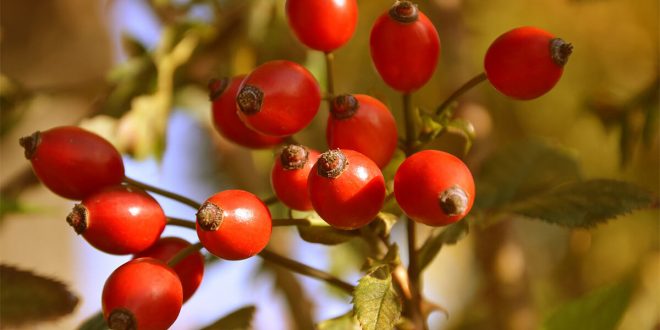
x,y
94,63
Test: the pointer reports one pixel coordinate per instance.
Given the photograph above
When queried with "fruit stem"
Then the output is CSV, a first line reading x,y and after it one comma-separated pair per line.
x,y
303,269
476,80
181,223
165,193
329,75
184,254
413,269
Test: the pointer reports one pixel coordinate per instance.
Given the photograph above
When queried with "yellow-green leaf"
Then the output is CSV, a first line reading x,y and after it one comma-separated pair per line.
x,y
375,303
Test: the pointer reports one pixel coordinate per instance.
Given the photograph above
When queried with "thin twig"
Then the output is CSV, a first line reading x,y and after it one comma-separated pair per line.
x,y
181,223
165,193
476,80
306,270
184,253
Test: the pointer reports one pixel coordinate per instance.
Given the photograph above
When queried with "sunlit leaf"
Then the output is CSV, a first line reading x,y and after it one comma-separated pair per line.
x,y
342,322
376,304
448,236
240,319
601,309
584,204
27,298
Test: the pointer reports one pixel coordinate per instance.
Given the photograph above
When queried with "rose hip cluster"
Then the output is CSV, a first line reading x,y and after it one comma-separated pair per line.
x,y
263,109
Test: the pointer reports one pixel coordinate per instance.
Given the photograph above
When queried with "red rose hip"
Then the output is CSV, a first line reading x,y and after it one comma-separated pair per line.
x,y
404,47
225,117
526,62
142,294
190,270
434,187
363,124
118,220
73,162
278,98
346,188
323,25
234,224
289,176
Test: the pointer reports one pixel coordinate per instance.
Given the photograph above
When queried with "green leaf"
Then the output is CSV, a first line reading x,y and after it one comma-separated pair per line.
x,y
449,236
325,235
584,204
94,322
522,169
376,304
239,319
27,298
601,309
342,322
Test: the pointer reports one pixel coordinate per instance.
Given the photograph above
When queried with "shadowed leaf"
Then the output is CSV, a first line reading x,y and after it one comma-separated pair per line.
x,y
27,298
584,204
342,322
325,235
240,319
94,322
448,236
601,309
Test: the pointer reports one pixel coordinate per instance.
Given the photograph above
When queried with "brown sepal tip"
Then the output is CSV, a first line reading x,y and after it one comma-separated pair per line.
x,y
331,164
249,99
210,216
217,87
294,157
404,12
30,144
344,106
560,51
121,319
453,201
78,218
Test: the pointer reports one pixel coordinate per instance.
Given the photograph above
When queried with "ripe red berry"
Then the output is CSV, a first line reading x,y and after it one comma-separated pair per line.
x,y
234,224
223,96
118,220
142,294
278,98
434,187
364,124
347,188
190,270
404,47
526,62
289,176
322,25
73,162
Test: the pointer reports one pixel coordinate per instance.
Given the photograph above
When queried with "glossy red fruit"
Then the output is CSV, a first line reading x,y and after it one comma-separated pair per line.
x,y
526,62
234,224
142,294
434,187
364,124
347,188
73,162
323,25
404,47
278,98
289,176
118,220
190,270
225,117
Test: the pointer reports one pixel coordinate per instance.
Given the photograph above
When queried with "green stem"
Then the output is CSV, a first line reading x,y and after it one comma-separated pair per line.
x,y
184,253
181,223
409,119
413,269
165,193
329,74
476,80
303,269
